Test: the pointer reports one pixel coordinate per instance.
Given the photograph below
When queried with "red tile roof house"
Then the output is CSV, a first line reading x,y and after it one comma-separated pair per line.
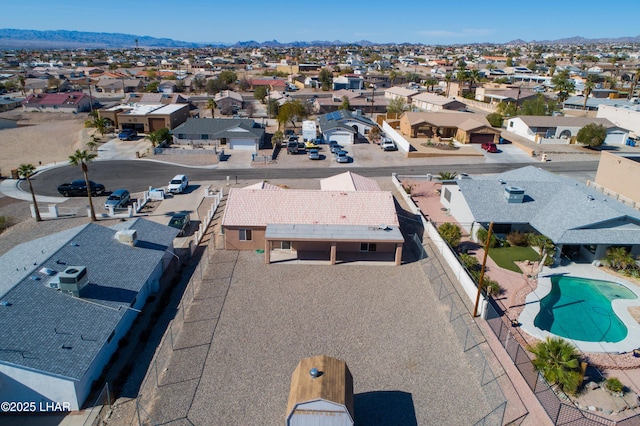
x,y
333,225
72,102
269,83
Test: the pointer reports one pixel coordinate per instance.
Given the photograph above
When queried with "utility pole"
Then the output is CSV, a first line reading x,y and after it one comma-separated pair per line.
x,y
487,243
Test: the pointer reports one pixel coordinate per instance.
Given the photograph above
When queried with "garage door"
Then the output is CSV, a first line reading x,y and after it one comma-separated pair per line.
x,y
343,138
481,137
242,144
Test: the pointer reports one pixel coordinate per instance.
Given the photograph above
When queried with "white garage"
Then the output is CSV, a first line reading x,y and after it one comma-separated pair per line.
x,y
242,144
343,137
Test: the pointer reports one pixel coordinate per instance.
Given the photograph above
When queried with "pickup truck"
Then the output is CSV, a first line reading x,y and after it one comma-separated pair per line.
x,y
388,145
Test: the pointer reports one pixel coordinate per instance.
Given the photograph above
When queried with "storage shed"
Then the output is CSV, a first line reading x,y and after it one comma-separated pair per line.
x,y
321,393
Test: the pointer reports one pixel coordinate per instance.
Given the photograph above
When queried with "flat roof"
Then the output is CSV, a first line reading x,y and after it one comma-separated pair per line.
x,y
309,232
169,109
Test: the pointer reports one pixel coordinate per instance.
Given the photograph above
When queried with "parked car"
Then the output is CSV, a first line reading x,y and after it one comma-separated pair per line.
x,y
127,134
335,148
178,184
320,141
292,147
342,157
180,221
489,147
118,199
314,154
79,187
388,145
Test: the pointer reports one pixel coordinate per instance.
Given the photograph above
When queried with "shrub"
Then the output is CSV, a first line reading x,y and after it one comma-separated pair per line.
x,y
559,363
517,238
481,235
470,262
495,119
451,233
5,222
492,287
614,385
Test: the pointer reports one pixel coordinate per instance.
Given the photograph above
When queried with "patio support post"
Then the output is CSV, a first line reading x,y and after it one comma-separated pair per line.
x,y
332,258
267,251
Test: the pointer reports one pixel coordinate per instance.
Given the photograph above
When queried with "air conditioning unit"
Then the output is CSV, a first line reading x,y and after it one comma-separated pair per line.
x,y
73,279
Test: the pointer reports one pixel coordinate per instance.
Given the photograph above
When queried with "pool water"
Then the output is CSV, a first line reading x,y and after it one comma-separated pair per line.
x,y
580,309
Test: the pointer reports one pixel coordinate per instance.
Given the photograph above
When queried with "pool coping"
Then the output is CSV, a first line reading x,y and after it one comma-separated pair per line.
x,y
619,306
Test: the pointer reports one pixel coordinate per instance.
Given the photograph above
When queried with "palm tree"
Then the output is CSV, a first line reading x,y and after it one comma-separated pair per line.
x,y
448,77
21,83
559,363
81,158
212,105
27,171
474,75
461,76
588,87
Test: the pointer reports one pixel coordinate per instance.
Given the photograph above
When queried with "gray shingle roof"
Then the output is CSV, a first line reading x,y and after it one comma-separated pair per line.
x,y
44,329
220,128
341,119
566,211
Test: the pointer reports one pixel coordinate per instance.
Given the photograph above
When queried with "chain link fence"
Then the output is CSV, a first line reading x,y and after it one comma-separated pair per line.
x,y
470,338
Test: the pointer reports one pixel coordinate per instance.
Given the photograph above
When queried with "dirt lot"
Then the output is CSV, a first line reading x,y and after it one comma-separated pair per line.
x,y
41,137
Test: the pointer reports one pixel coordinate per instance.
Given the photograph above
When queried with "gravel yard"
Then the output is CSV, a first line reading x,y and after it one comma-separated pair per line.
x,y
251,323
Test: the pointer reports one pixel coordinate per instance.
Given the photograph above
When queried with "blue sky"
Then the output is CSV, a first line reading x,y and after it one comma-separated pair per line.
x,y
420,21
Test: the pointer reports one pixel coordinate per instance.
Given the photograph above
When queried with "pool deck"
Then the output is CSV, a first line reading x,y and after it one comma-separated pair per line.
x,y
620,307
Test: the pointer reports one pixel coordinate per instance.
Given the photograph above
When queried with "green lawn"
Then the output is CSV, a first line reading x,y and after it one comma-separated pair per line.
x,y
505,256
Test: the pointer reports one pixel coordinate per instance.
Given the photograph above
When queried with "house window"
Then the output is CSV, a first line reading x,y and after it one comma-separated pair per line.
x,y
591,248
204,137
511,124
367,246
245,235
180,136
285,245
447,194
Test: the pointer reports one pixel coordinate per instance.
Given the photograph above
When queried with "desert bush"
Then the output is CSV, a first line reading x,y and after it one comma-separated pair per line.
x,y
481,235
517,238
451,233
614,385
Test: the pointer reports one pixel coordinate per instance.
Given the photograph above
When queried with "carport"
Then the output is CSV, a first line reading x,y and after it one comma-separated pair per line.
x,y
334,243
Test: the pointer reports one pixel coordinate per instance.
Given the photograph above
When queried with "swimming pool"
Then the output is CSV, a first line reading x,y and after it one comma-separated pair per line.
x,y
581,309
579,316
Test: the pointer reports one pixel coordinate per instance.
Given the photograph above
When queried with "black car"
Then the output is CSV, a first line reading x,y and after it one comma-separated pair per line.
x,y
79,187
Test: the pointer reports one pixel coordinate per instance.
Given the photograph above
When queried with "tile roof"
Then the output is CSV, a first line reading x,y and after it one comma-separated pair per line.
x,y
446,119
435,99
69,98
349,181
564,210
251,207
44,329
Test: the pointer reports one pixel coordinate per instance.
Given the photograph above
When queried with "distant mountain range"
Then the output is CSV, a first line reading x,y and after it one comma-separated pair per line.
x,y
60,39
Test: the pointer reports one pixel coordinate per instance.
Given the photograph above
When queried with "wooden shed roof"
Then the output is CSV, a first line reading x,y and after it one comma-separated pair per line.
x,y
335,383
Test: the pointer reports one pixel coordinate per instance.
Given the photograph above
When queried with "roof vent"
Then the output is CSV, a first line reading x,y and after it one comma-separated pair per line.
x,y
590,197
73,279
513,194
5,303
127,236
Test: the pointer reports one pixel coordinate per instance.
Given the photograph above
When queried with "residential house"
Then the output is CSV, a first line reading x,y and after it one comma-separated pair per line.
x,y
146,117
463,127
434,103
348,82
71,102
269,83
344,126
615,173
561,129
624,115
399,92
332,225
495,94
119,85
229,133
7,103
68,299
228,101
581,221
